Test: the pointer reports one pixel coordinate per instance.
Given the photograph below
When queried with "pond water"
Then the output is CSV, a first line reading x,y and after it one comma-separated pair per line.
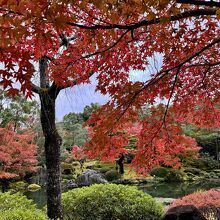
x,y
177,190
162,189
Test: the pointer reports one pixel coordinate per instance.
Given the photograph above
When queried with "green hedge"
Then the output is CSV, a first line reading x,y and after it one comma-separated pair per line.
x,y
175,176
18,207
110,202
103,169
159,172
112,175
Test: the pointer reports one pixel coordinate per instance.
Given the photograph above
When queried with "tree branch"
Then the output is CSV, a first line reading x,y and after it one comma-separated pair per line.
x,y
55,89
101,51
198,2
192,13
35,88
161,75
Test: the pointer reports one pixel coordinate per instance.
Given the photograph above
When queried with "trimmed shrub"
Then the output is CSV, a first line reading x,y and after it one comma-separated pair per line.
x,y
199,199
76,163
104,169
18,207
205,162
208,202
112,175
68,168
193,170
22,214
110,202
18,185
33,187
159,172
175,176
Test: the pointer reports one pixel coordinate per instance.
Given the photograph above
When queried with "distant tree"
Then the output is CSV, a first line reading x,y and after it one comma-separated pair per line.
x,y
17,154
71,119
76,136
71,129
205,137
18,111
88,110
78,154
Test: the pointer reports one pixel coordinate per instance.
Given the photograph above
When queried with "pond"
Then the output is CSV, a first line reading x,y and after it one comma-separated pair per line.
x,y
161,189
177,190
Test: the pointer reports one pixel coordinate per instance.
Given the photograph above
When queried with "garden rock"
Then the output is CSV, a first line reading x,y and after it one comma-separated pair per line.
x,y
210,212
185,212
90,177
165,201
69,184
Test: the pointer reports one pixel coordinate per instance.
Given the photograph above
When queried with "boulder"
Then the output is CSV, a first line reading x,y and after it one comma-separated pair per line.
x,y
90,177
210,212
69,184
165,201
184,212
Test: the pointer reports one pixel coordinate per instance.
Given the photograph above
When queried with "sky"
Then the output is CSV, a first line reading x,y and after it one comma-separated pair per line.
x,y
76,98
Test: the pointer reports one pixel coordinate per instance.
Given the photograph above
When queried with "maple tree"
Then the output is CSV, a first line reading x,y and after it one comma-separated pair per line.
x,y
68,41
17,153
199,199
78,153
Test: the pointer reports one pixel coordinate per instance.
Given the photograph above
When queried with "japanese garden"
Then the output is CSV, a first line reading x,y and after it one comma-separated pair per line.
x,y
110,110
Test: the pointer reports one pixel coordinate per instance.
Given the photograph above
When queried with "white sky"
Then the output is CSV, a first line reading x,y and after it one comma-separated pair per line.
x,y
76,98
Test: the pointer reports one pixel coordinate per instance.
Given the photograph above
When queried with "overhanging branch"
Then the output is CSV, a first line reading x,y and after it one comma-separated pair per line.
x,y
199,2
55,89
35,88
191,13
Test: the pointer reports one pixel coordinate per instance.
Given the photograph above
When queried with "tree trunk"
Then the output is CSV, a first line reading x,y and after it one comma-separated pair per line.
x,y
4,184
52,152
120,163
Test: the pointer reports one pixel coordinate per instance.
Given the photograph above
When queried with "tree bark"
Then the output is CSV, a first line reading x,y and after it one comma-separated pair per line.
x,y
4,184
52,151
120,163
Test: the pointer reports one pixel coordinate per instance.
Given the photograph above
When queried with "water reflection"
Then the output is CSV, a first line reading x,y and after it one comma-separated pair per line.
x,y
39,197
177,190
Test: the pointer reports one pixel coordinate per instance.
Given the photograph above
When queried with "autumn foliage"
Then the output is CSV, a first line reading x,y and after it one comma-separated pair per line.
x,y
199,199
155,143
111,39
78,153
17,153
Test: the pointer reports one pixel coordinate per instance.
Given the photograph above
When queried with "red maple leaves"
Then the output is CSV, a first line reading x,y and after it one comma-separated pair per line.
x,y
111,40
17,153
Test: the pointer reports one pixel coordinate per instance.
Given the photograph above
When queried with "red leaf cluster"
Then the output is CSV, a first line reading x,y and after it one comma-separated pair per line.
x,y
199,199
17,153
78,153
111,39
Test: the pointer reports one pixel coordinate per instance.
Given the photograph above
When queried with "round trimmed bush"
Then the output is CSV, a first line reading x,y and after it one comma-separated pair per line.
x,y
112,175
18,207
208,202
175,176
104,169
110,202
199,199
159,172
